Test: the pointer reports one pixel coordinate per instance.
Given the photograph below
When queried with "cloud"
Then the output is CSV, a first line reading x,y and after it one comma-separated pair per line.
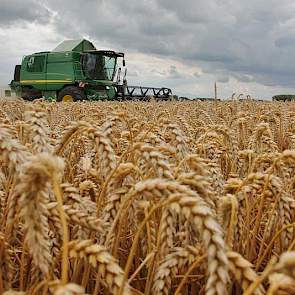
x,y
21,40
133,73
173,73
193,41
19,11
197,74
229,35
223,79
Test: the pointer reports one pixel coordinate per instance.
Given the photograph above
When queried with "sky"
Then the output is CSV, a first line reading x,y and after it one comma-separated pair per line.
x,y
244,46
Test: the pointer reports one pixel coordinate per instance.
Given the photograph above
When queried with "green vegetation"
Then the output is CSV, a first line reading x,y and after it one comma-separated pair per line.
x,y
283,97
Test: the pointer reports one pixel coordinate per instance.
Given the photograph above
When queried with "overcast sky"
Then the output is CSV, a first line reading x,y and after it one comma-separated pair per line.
x,y
246,46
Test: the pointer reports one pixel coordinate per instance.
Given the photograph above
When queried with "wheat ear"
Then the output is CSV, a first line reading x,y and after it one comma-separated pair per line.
x,y
242,271
99,257
32,189
194,208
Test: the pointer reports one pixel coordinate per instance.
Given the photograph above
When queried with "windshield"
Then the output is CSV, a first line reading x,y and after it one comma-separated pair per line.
x,y
99,66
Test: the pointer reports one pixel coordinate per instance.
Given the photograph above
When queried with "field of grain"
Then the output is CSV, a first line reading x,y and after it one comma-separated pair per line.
x,y
147,198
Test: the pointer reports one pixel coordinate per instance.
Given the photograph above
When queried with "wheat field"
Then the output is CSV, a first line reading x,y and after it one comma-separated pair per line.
x,y
147,198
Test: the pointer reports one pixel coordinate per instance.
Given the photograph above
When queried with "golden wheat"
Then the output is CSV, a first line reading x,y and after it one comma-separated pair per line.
x,y
147,197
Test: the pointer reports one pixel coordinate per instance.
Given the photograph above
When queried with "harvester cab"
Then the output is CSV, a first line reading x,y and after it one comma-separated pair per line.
x,y
75,70
100,64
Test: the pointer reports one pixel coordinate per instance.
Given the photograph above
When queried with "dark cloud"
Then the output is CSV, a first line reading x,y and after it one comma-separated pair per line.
x,y
250,41
19,10
223,79
243,78
242,38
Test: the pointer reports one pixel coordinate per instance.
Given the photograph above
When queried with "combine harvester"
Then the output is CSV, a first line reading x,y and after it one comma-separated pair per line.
x,y
76,71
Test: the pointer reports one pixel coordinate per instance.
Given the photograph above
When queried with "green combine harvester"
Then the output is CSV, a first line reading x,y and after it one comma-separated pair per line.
x,y
76,71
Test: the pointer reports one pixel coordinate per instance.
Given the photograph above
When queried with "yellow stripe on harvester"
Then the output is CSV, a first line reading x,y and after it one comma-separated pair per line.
x,y
45,81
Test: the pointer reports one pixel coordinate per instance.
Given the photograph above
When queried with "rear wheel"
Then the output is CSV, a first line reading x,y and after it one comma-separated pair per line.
x,y
71,93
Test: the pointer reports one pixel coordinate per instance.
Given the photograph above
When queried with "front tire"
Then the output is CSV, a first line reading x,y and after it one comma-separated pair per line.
x,y
71,93
31,94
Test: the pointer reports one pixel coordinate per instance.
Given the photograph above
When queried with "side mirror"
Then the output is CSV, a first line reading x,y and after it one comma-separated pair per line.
x,y
124,64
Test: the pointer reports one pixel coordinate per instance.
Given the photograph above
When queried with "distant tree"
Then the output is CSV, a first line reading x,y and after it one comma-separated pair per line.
x,y
283,97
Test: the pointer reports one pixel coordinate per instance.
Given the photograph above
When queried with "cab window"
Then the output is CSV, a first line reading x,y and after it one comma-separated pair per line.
x,y
36,63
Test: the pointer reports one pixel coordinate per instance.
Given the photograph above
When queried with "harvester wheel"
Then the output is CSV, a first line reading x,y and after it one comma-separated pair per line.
x,y
30,94
71,93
